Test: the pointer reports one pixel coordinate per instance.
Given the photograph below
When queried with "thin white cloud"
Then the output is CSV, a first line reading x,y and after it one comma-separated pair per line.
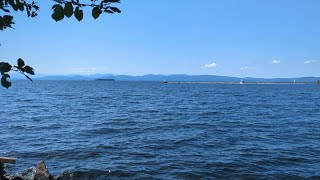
x,y
90,70
275,62
209,66
245,68
310,61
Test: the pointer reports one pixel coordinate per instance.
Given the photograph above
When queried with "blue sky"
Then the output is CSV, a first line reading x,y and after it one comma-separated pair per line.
x,y
257,38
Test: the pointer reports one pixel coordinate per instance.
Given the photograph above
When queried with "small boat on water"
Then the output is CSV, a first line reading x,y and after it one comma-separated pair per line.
x,y
241,81
165,81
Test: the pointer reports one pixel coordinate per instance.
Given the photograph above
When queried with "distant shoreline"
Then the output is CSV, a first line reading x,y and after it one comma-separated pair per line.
x,y
174,82
171,78
104,79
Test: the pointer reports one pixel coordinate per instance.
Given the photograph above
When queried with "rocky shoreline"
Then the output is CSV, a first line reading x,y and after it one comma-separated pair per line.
x,y
40,172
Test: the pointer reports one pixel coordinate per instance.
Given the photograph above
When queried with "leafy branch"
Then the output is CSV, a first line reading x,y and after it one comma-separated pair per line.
x,y
62,8
5,68
7,6
66,8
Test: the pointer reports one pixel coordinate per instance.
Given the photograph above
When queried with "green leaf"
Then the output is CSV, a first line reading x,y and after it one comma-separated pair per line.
x,y
5,67
96,11
20,63
28,12
78,13
28,69
57,16
108,11
114,1
28,77
68,9
4,82
115,9
58,12
5,10
7,18
56,6
13,5
6,21
20,6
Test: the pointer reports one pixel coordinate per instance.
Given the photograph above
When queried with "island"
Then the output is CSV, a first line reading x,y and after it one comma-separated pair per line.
x,y
104,79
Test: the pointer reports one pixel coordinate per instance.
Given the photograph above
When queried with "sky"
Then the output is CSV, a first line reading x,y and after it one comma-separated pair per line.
x,y
242,38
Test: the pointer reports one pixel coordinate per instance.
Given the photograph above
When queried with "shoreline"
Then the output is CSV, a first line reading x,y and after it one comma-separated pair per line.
x,y
40,172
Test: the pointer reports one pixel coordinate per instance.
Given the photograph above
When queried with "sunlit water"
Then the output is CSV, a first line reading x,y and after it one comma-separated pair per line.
x,y
99,130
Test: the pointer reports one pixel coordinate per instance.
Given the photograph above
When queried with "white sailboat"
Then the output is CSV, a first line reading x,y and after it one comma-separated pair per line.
x,y
165,80
241,81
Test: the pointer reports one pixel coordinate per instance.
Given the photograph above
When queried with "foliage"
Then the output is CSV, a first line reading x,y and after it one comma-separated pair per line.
x,y
7,6
61,9
67,8
21,68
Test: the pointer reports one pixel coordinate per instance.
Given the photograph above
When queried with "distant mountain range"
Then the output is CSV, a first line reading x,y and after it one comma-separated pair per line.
x,y
174,77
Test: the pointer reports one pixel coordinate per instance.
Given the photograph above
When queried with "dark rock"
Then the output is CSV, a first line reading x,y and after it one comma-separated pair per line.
x,y
13,177
42,172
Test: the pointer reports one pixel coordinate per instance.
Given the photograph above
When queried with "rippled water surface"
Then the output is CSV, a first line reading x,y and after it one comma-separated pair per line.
x,y
112,130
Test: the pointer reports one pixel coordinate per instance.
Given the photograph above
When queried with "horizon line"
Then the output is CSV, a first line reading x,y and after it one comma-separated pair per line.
x,y
165,75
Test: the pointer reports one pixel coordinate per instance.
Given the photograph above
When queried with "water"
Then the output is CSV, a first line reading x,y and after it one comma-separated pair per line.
x,y
136,130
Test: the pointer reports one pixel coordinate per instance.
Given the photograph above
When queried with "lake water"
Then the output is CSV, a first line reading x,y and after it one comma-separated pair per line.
x,y
136,130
